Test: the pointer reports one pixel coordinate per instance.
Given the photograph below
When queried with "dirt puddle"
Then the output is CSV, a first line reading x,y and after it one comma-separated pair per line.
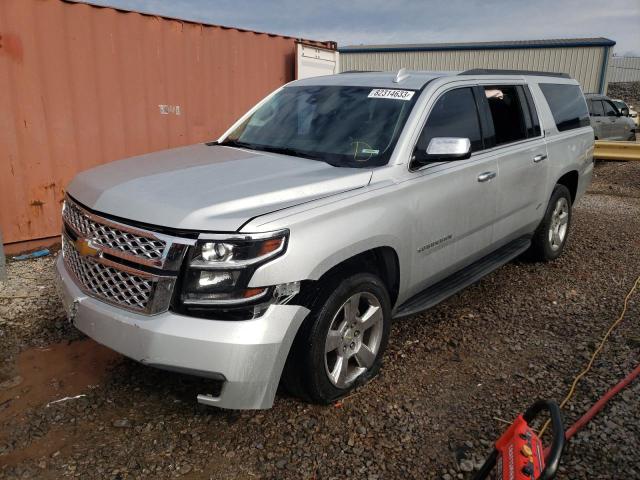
x,y
54,372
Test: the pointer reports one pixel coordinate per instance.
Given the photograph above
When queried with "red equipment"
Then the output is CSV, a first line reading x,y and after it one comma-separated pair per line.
x,y
519,454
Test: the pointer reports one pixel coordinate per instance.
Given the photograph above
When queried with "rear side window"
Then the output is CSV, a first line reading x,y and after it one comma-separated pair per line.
x,y
508,113
454,115
567,104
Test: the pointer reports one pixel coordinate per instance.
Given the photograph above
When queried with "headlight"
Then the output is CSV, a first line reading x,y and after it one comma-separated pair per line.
x,y
220,267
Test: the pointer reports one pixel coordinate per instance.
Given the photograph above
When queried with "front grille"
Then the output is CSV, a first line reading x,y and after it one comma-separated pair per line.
x,y
102,234
106,282
120,264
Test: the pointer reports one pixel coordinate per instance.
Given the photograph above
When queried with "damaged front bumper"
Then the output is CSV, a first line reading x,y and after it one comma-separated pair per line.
x,y
246,356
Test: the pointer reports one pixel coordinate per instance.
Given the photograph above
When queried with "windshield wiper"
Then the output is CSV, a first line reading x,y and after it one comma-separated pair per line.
x,y
298,153
235,143
290,151
272,149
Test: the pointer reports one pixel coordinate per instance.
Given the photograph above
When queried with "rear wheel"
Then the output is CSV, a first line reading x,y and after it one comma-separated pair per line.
x,y
551,235
341,343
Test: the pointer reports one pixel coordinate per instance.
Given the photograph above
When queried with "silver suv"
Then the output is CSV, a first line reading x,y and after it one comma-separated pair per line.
x,y
282,251
609,122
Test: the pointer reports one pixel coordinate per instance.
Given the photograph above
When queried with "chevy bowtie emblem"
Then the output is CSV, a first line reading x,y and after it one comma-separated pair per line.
x,y
85,249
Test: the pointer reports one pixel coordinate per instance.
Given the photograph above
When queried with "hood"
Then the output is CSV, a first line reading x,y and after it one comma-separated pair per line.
x,y
203,187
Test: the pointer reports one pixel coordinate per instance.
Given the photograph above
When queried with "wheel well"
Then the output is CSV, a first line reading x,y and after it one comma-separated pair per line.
x,y
570,180
381,261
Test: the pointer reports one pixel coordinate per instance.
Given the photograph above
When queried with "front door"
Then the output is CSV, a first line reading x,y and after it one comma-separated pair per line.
x,y
614,127
453,202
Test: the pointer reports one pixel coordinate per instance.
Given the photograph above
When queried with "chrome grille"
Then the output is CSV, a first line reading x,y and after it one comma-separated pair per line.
x,y
121,264
104,234
108,283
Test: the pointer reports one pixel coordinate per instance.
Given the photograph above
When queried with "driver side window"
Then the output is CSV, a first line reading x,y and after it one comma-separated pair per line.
x,y
609,109
454,115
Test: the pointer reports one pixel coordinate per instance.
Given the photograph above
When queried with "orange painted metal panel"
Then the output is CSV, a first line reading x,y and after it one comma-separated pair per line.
x,y
82,85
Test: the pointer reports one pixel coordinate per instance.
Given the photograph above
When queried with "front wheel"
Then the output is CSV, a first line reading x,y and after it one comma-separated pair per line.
x,y
340,345
551,235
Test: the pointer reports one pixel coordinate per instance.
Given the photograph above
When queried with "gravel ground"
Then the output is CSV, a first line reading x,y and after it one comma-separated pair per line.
x,y
627,91
452,377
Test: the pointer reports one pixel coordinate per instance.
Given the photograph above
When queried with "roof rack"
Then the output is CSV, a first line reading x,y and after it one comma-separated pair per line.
x,y
492,71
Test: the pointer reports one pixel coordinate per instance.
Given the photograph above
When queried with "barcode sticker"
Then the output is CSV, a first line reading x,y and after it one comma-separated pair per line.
x,y
392,94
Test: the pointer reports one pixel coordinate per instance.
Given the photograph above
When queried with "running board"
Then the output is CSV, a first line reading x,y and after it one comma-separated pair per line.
x,y
462,278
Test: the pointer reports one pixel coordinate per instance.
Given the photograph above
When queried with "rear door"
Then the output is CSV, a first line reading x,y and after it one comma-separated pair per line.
x,y
521,154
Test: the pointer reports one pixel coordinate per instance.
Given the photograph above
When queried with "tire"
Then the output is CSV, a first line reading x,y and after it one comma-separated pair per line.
x,y
331,337
550,237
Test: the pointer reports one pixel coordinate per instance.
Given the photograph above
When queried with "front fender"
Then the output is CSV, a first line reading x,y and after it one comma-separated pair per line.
x,y
323,237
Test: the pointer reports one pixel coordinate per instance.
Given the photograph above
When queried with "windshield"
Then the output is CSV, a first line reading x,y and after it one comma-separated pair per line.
x,y
620,104
343,126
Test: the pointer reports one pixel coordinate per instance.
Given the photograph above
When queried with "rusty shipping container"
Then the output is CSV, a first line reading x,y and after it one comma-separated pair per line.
x,y
82,85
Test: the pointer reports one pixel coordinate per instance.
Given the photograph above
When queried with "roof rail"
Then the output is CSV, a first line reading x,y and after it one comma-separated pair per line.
x,y
493,71
360,71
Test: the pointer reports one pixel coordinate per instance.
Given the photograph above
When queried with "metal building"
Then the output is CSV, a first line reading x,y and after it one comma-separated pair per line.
x,y
624,69
585,59
82,85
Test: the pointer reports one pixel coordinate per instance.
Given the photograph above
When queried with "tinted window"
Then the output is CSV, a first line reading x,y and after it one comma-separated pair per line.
x,y
567,105
507,113
454,115
619,105
596,108
534,113
609,109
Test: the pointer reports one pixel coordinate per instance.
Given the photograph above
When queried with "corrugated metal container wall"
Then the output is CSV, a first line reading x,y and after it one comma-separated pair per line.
x,y
83,85
584,64
624,69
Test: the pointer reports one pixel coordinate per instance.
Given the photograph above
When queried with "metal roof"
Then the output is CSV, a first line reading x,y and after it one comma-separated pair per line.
x,y
503,45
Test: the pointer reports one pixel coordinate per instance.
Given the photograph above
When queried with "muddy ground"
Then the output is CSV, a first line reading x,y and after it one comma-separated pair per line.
x,y
451,379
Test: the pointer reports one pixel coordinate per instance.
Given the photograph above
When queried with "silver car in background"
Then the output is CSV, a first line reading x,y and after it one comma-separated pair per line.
x,y
281,252
609,122
627,110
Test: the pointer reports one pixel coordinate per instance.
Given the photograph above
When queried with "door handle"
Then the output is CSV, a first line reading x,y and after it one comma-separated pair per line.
x,y
486,176
539,158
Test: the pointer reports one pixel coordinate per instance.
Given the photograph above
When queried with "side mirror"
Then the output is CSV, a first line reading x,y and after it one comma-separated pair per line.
x,y
443,149
624,111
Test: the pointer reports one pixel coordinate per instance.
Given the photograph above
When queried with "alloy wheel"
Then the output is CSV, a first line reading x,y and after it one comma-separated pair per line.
x,y
559,223
353,339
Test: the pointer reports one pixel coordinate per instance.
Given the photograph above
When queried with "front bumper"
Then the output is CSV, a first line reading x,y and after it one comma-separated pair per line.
x,y
248,355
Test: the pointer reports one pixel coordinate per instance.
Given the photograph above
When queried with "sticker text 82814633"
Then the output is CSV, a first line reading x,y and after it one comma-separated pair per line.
x,y
391,94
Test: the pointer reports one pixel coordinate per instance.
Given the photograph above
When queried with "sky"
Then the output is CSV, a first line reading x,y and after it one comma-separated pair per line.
x,y
413,21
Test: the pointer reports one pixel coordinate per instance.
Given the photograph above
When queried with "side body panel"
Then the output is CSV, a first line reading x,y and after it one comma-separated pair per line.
x,y
571,150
